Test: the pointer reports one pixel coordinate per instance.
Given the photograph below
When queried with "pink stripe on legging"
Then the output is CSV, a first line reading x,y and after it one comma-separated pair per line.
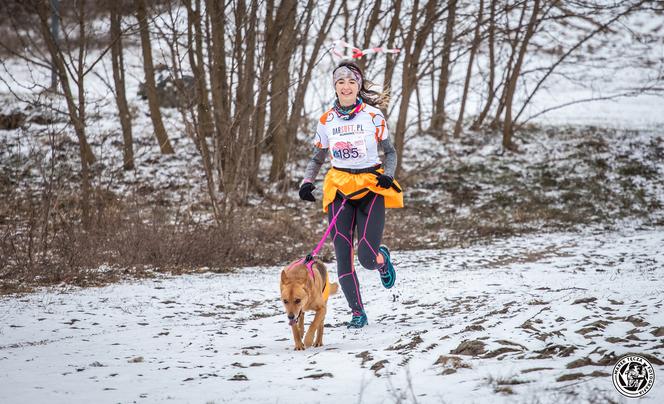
x,y
352,258
338,233
369,215
366,224
357,285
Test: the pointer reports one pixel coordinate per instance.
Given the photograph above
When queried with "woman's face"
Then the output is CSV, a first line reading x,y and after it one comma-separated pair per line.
x,y
347,90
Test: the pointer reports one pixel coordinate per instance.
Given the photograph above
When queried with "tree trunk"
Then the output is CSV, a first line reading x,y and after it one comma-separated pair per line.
x,y
263,88
298,102
246,106
280,84
511,88
80,83
77,118
438,119
233,145
508,71
119,80
492,68
413,46
204,126
300,43
219,86
150,87
195,40
55,32
471,59
372,23
391,62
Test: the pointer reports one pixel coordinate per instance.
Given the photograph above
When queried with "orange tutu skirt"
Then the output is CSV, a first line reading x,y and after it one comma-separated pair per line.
x,y
347,183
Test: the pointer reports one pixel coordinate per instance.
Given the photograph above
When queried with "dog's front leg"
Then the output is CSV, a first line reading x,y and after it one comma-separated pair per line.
x,y
297,337
318,322
300,325
319,332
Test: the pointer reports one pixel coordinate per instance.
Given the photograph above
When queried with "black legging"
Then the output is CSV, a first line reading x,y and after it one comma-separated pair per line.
x,y
367,216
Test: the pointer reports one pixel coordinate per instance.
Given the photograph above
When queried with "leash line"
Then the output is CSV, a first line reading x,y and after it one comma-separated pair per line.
x,y
309,260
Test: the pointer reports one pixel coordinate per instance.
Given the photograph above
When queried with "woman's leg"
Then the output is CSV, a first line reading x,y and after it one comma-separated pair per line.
x,y
342,237
370,218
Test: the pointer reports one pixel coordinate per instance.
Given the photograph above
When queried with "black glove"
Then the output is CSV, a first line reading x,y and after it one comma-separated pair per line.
x,y
385,181
305,192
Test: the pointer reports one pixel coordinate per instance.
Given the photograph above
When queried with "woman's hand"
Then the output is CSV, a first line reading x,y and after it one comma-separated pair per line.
x,y
384,181
306,190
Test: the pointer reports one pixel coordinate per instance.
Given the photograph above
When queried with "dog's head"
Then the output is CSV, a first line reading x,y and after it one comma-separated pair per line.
x,y
295,286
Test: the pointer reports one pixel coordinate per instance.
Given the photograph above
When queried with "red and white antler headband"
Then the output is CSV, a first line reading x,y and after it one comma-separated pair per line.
x,y
356,53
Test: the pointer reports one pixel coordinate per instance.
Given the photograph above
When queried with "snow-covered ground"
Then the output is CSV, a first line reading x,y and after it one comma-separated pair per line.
x,y
543,317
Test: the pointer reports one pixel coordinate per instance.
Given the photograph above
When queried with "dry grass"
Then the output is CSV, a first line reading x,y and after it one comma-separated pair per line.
x,y
43,248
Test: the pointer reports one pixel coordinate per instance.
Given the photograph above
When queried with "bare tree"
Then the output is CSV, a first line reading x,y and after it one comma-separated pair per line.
x,y
150,86
244,137
471,59
219,85
390,64
601,27
204,125
513,44
277,129
438,119
491,91
55,32
264,78
369,29
413,46
307,67
514,76
76,107
117,62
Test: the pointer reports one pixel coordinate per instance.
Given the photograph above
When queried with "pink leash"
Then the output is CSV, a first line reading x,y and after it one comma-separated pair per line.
x,y
309,259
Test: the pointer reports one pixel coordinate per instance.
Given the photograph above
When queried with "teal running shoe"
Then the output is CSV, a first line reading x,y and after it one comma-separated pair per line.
x,y
358,320
387,273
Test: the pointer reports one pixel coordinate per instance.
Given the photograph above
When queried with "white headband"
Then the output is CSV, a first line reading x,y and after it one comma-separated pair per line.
x,y
344,72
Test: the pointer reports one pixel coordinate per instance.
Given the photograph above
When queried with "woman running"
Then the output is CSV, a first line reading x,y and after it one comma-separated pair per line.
x,y
351,133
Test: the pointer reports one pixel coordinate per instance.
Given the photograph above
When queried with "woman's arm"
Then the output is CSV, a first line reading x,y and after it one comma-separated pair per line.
x,y
390,163
315,164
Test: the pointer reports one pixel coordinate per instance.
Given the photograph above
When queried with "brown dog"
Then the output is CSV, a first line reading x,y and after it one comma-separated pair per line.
x,y
303,290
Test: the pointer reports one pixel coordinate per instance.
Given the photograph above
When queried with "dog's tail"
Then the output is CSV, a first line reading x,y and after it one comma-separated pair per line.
x,y
334,288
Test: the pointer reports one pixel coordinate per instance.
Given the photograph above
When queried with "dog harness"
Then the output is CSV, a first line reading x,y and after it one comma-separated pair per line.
x,y
326,278
323,274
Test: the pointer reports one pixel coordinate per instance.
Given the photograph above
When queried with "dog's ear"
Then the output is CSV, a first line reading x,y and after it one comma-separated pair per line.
x,y
284,278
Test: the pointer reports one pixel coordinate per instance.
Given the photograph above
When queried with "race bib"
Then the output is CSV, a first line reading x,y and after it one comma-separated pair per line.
x,y
349,149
